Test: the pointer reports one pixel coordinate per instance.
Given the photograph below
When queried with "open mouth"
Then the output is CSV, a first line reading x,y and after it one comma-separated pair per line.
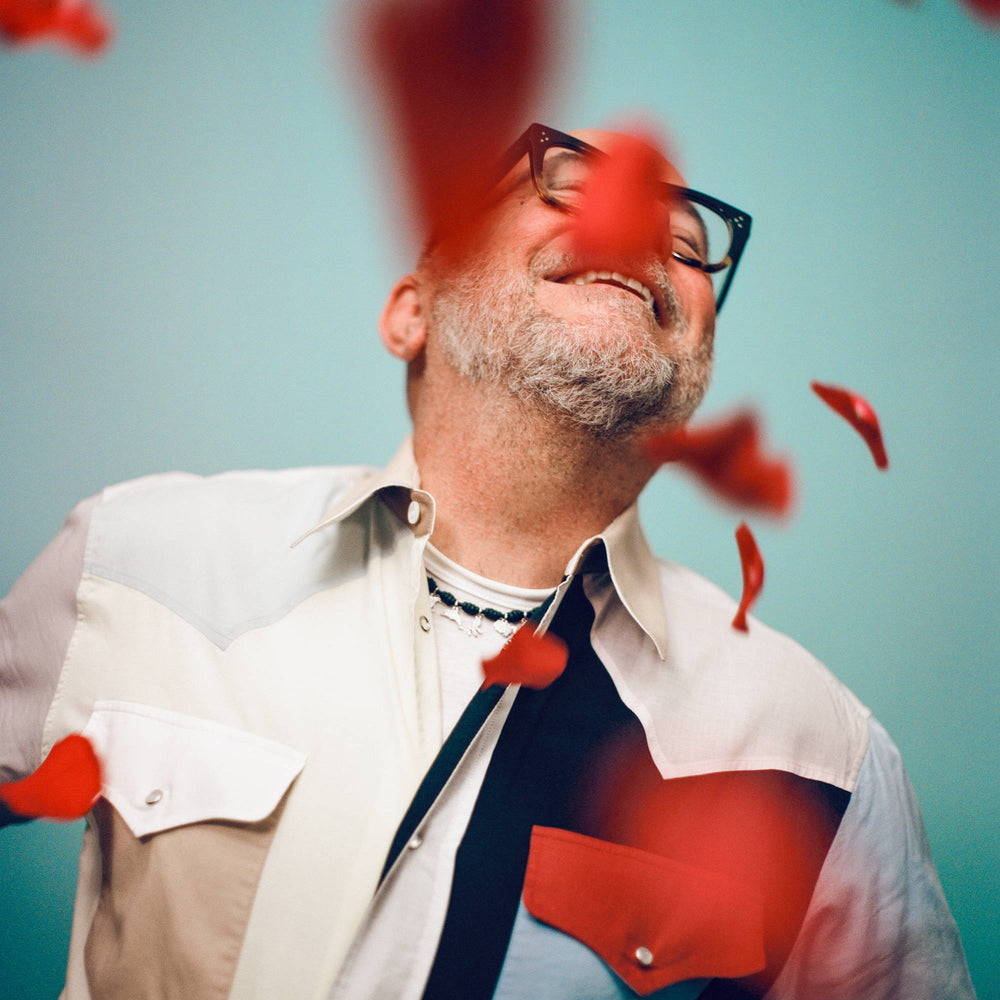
x,y
617,280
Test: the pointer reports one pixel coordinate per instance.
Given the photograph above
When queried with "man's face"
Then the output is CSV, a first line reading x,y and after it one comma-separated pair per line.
x,y
608,343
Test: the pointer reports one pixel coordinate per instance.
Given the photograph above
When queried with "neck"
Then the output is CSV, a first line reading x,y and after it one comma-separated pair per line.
x,y
517,490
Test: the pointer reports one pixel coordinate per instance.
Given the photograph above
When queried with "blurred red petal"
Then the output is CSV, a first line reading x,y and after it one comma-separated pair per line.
x,y
858,412
76,23
988,10
459,77
620,210
529,659
753,574
727,457
768,830
84,28
23,21
65,786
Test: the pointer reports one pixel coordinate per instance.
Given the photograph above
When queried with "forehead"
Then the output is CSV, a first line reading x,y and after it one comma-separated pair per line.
x,y
606,141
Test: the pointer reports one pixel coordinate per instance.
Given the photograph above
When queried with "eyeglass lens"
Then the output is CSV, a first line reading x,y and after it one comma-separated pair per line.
x,y
698,233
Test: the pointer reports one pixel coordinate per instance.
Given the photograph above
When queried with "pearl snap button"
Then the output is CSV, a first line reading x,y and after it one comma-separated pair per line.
x,y
413,512
425,623
414,842
643,956
154,796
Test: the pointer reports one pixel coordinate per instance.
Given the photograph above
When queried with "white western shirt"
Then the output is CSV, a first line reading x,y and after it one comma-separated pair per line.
x,y
265,711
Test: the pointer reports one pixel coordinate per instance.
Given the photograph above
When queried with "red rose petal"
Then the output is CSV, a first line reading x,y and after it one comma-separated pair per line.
x,y
859,414
76,23
987,10
727,457
529,659
23,21
753,574
459,77
65,786
84,28
621,213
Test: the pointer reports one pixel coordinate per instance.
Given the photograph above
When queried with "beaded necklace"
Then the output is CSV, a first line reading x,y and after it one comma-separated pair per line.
x,y
504,622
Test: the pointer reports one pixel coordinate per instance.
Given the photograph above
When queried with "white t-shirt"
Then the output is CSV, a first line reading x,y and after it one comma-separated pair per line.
x,y
463,640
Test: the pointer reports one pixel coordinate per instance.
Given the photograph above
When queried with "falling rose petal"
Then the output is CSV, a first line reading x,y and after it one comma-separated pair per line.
x,y
23,21
728,458
753,574
76,23
84,28
987,10
529,659
859,414
459,77
65,786
620,212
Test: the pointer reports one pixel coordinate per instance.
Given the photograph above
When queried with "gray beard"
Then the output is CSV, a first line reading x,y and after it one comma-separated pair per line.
x,y
606,373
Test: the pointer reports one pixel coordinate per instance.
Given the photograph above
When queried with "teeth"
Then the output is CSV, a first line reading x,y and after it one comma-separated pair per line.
x,y
589,277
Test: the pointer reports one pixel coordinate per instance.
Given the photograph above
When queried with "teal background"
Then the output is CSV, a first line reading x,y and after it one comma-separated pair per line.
x,y
197,232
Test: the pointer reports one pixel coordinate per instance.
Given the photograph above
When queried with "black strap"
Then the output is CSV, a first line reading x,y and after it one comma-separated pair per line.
x,y
470,722
534,778
458,741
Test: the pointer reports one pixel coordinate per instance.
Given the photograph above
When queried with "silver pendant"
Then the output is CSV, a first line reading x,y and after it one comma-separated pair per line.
x,y
504,627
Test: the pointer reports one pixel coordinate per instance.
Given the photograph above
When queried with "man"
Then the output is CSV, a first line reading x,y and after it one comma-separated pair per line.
x,y
306,791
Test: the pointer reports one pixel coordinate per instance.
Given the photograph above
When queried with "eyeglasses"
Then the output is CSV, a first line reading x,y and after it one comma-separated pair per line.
x,y
707,233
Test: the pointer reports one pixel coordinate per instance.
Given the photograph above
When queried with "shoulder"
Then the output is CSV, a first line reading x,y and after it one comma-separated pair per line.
x,y
699,615
177,509
186,499
723,699
216,550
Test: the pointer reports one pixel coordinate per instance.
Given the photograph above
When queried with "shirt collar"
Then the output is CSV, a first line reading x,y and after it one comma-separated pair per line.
x,y
630,563
633,570
398,484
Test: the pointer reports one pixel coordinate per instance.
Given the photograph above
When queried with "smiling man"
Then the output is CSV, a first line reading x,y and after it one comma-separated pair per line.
x,y
308,792
534,368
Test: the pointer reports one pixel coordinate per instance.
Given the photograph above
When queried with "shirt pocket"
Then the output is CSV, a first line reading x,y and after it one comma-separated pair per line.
x,y
654,921
188,814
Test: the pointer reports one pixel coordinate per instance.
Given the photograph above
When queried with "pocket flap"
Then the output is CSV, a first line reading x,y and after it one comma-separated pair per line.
x,y
162,769
652,920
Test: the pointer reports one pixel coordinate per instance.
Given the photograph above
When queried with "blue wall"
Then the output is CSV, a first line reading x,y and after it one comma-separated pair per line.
x,y
197,231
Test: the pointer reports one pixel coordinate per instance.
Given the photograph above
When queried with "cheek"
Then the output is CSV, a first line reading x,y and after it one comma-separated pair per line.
x,y
697,296
524,224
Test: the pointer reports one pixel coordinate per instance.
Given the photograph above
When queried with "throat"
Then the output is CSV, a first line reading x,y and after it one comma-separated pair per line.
x,y
518,512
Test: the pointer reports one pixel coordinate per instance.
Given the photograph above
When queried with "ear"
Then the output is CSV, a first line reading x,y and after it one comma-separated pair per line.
x,y
402,324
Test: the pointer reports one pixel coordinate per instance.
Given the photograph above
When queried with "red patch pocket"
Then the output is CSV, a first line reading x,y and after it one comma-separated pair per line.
x,y
653,920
